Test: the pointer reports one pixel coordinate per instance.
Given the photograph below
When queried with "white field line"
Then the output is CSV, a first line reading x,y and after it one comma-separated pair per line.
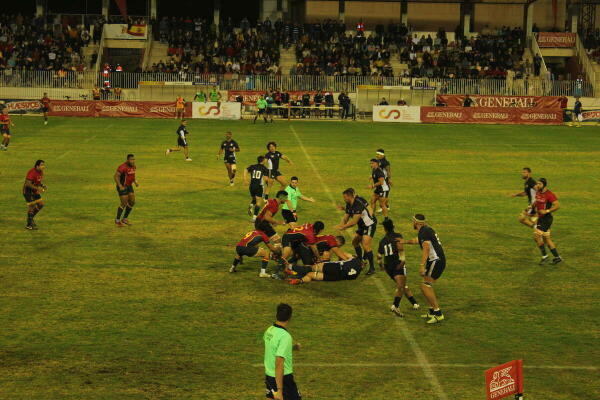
x,y
69,151
416,365
421,358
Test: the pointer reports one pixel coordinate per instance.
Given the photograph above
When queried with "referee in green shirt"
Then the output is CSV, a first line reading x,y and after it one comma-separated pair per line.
x,y
261,104
289,215
279,370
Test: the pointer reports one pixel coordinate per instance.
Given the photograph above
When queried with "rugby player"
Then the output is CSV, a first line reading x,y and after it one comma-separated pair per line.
x,y
125,179
45,107
258,175
5,124
302,235
528,217
273,156
392,259
359,212
230,147
32,188
267,213
433,263
381,190
546,203
327,244
182,142
289,212
386,167
249,246
328,271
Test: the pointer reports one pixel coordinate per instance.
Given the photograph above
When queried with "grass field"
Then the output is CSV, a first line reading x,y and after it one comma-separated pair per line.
x,y
89,311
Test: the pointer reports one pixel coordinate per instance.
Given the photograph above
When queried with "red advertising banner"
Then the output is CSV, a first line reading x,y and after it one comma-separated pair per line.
x,y
251,96
469,115
140,109
504,380
456,100
556,39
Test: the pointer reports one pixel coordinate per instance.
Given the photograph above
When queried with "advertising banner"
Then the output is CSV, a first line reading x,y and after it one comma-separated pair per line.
x,y
215,110
140,109
591,116
456,100
556,39
251,96
23,106
491,115
504,380
396,114
124,31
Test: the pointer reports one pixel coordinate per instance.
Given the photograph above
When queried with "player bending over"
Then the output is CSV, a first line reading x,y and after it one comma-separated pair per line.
x,y
302,235
32,188
125,179
268,213
391,257
329,271
182,142
327,244
359,212
249,246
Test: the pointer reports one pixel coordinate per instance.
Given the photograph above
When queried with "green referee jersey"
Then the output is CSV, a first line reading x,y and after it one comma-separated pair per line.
x,y
278,343
214,96
293,196
261,103
200,96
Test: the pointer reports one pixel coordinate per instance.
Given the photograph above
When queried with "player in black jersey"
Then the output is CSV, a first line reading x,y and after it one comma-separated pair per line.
x,y
391,258
381,190
528,216
433,263
273,156
259,175
230,147
385,165
328,271
182,142
359,212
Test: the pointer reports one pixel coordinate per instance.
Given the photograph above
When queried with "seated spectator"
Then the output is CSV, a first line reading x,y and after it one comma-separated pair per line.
x,y
383,102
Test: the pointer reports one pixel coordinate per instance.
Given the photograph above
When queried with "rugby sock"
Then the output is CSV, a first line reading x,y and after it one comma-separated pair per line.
x,y
263,265
369,256
236,262
430,311
397,301
554,252
119,212
30,218
437,312
359,252
412,300
35,211
256,210
127,211
543,250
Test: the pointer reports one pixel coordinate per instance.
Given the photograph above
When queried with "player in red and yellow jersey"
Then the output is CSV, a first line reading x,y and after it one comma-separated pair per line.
x,y
546,203
125,179
249,246
32,188
5,124
327,244
268,212
45,107
299,240
179,107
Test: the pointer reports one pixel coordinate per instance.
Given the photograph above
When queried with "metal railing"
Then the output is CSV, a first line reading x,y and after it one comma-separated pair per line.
x,y
131,82
535,49
585,62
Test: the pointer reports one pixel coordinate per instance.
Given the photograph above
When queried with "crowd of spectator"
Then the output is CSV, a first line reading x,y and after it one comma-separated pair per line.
x,y
50,43
591,42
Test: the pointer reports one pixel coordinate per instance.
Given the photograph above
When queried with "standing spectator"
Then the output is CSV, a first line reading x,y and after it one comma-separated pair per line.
x,y
467,101
329,103
344,101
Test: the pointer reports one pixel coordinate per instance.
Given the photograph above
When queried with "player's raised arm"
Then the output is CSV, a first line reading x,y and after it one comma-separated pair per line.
x,y
286,159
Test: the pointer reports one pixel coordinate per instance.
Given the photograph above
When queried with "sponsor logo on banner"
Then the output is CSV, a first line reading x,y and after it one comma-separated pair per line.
x,y
86,108
252,96
591,115
214,110
456,100
556,39
504,380
499,115
22,106
396,114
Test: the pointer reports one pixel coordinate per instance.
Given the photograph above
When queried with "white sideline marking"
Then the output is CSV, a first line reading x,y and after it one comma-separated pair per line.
x,y
416,365
69,151
422,360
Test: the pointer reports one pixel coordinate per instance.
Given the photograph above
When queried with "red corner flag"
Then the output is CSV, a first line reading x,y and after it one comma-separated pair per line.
x,y
505,380
122,4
